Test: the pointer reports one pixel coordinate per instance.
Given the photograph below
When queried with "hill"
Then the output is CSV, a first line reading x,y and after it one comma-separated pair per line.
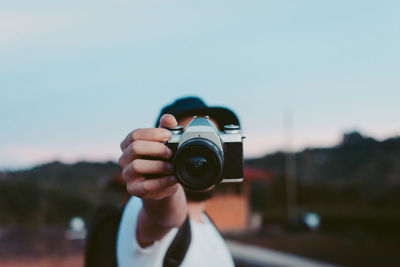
x,y
54,192
360,172
357,160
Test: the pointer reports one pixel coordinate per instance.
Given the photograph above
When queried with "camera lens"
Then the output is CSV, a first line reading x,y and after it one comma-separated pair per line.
x,y
198,164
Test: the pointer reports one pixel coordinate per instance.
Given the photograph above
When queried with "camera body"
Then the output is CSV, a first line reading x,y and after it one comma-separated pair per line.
x,y
204,156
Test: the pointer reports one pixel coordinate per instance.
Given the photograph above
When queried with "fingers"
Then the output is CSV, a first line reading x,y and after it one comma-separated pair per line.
x,y
148,134
168,121
151,134
144,148
142,143
155,189
142,167
135,174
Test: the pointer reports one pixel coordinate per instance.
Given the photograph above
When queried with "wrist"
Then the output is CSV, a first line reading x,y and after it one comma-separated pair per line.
x,y
167,212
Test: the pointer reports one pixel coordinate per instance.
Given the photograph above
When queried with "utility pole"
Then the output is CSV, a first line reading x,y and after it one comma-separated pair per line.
x,y
291,170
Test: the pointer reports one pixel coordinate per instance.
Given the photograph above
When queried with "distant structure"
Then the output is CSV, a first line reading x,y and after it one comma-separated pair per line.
x,y
230,207
352,138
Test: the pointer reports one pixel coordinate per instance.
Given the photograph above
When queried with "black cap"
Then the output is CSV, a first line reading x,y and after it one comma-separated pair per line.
x,y
193,106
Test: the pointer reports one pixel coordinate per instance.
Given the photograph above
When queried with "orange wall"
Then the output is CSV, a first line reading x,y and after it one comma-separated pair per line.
x,y
228,212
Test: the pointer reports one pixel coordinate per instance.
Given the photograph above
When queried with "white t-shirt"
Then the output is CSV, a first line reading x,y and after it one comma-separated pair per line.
x,y
207,248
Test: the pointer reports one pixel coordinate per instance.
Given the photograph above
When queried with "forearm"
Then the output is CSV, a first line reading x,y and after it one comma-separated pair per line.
x,y
157,217
167,212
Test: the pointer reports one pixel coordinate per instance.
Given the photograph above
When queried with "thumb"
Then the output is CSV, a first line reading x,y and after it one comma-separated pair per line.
x,y
167,121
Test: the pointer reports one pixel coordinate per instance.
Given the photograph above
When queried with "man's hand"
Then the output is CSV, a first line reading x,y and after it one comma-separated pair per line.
x,y
148,143
164,201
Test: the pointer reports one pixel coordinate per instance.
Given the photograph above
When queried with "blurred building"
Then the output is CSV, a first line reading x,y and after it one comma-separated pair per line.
x,y
230,208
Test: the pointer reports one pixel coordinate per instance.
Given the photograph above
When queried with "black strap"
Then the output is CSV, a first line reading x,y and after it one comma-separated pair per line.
x,y
211,221
179,246
101,239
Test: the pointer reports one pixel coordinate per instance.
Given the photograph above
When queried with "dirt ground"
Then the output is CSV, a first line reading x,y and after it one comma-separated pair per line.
x,y
68,261
46,247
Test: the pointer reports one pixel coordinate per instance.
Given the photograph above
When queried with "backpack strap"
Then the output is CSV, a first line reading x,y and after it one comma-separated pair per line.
x,y
211,221
179,246
100,242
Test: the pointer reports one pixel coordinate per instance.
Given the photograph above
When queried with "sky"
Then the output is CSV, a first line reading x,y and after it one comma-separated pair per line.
x,y
77,76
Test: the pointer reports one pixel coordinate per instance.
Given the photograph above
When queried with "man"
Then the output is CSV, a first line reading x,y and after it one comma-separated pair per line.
x,y
160,206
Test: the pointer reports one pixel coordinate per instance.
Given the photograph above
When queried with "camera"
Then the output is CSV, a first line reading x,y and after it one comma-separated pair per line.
x,y
204,156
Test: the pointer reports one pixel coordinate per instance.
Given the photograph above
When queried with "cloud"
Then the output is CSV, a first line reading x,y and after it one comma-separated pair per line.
x,y
18,26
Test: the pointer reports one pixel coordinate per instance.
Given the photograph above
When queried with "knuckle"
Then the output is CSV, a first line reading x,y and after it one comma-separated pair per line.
x,y
130,190
134,148
146,188
134,134
124,174
135,166
121,161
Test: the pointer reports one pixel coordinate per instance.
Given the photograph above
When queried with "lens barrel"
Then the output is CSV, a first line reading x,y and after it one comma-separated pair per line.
x,y
198,164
